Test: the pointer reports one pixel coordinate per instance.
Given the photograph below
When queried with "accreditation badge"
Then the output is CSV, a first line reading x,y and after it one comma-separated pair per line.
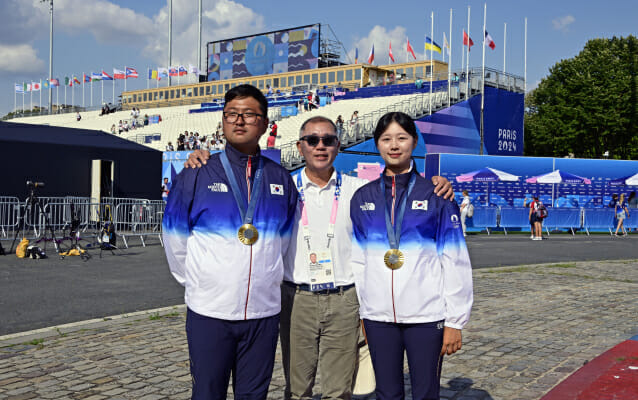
x,y
320,270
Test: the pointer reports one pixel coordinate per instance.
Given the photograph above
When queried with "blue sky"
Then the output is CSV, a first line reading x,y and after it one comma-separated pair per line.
x,y
91,35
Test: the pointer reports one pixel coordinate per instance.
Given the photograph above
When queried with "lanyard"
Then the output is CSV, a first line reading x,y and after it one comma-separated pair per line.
x,y
394,232
246,214
304,213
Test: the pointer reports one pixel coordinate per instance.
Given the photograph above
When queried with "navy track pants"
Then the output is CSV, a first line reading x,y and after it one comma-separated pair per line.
x,y
216,347
422,343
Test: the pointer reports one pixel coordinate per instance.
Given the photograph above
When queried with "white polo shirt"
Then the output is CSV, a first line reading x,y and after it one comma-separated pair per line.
x,y
319,208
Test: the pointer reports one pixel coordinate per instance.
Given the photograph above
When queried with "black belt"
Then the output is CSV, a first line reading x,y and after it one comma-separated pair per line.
x,y
306,288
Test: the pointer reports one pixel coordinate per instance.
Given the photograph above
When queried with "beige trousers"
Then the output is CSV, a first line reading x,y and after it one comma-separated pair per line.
x,y
319,331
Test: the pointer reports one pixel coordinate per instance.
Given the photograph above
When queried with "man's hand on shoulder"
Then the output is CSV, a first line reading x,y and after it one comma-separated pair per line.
x,y
442,187
197,158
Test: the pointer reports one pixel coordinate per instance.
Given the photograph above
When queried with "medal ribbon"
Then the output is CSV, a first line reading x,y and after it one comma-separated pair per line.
x,y
304,213
394,232
246,214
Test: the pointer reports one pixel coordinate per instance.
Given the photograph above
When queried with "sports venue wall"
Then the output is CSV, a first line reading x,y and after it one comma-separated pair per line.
x,y
287,50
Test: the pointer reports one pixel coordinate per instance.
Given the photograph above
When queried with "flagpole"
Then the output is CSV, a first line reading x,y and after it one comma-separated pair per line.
x,y
125,78
113,100
467,65
65,84
15,97
102,102
83,83
504,44
442,50
431,61
449,64
72,93
525,62
91,78
57,96
40,105
483,80
462,64
31,91
22,98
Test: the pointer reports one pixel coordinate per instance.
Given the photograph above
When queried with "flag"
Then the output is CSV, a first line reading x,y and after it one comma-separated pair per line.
x,y
35,86
466,40
96,76
151,72
193,69
45,84
446,44
489,41
87,78
356,55
431,45
390,54
55,82
410,50
131,72
172,71
182,70
371,56
162,73
119,74
106,77
19,88
27,87
76,80
67,81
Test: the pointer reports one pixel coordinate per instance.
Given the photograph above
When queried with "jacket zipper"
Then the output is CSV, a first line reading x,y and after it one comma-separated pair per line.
x,y
250,269
394,194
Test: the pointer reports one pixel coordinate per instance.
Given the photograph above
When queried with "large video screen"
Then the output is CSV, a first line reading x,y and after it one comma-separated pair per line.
x,y
275,52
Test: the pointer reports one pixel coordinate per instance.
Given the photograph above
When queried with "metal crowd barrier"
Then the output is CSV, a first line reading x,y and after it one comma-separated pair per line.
x,y
131,217
9,213
139,219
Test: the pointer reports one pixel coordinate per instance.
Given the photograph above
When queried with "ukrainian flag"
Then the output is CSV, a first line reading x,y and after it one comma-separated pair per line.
x,y
431,45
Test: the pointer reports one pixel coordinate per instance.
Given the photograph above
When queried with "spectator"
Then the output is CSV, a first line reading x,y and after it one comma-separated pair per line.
x,y
120,127
622,212
535,219
613,201
166,188
180,145
125,126
169,147
78,117
339,123
273,129
269,90
113,129
465,204
145,119
354,123
270,143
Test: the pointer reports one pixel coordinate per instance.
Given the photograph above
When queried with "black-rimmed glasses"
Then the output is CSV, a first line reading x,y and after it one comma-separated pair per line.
x,y
327,141
249,117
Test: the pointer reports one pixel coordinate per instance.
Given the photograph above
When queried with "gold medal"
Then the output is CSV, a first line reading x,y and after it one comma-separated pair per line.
x,y
393,258
247,234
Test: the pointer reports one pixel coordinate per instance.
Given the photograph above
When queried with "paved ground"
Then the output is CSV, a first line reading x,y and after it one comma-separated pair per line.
x,y
531,327
40,293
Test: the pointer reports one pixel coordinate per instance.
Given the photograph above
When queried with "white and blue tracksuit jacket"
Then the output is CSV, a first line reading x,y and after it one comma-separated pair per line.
x,y
224,278
435,281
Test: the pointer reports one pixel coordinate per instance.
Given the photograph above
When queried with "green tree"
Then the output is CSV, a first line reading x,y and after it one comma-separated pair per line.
x,y
587,104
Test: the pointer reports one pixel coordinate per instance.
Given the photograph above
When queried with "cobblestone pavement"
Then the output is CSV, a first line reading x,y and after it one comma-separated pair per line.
x,y
531,327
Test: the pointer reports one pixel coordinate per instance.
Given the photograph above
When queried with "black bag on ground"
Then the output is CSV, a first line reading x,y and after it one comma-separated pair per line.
x,y
108,237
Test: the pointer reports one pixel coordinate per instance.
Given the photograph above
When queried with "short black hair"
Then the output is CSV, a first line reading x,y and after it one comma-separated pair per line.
x,y
315,120
245,90
403,119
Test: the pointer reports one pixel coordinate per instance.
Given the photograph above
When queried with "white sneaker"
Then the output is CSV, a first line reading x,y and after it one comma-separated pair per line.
x,y
538,238
532,237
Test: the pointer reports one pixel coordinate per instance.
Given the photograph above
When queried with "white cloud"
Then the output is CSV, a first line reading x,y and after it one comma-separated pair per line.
x,y
381,38
562,23
221,19
19,59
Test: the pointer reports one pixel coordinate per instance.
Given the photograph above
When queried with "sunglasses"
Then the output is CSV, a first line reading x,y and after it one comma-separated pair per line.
x,y
327,141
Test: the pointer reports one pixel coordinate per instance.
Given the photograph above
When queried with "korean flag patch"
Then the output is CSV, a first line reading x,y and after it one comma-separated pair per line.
x,y
420,205
277,189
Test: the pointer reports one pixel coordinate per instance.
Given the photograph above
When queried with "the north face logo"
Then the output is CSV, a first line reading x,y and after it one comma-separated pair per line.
x,y
218,187
367,207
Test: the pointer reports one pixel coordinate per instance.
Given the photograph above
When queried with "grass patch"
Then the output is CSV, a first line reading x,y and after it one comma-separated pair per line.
x,y
561,266
508,270
156,316
60,333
